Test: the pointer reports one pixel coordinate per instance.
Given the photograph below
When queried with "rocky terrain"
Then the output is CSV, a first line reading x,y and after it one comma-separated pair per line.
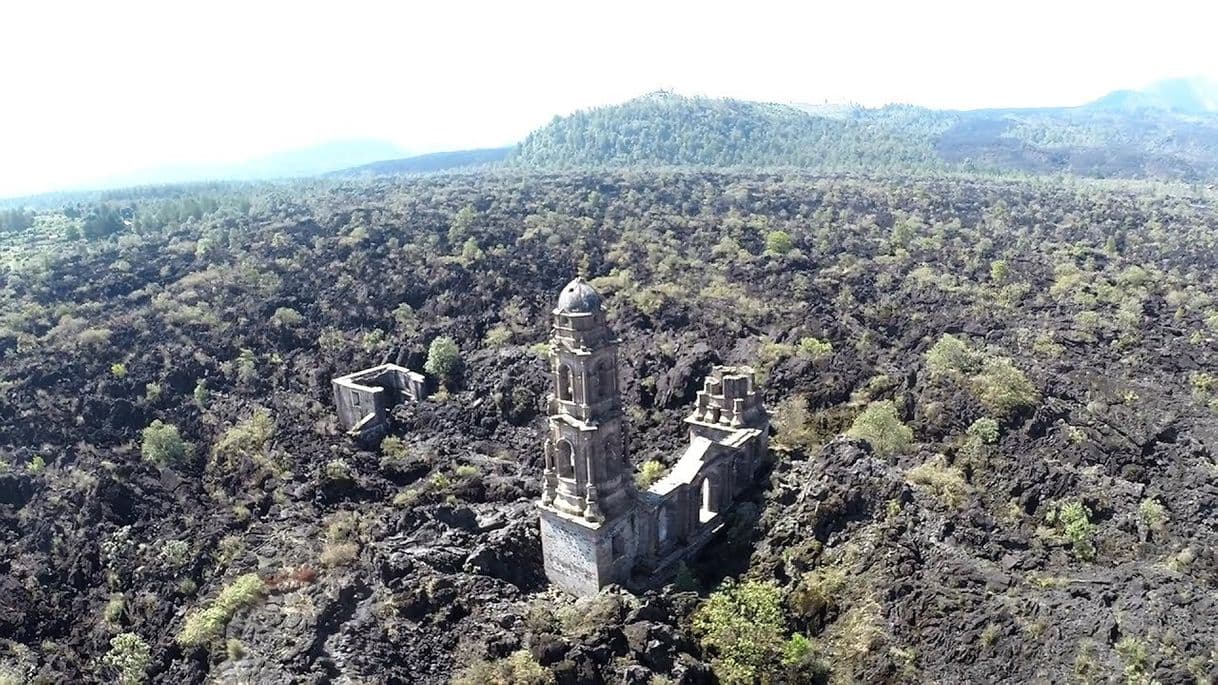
x,y
994,459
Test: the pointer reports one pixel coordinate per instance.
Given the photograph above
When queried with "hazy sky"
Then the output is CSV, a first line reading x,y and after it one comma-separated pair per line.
x,y
93,89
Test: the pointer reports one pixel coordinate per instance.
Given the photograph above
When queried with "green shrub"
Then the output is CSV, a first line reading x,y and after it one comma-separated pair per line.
x,y
818,590
1073,519
247,366
880,426
1000,271
203,626
814,349
946,482
201,395
129,655
443,358
649,474
977,437
791,421
118,370
951,355
779,242
742,628
498,336
337,470
471,252
1152,513
113,611
1135,657
984,431
1003,389
286,317
36,465
518,668
246,439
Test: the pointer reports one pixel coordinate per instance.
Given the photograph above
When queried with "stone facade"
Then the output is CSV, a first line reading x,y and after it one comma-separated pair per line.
x,y
363,399
596,527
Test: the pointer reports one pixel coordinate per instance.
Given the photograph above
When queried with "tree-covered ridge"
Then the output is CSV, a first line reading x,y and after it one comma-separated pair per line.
x,y
672,130
667,129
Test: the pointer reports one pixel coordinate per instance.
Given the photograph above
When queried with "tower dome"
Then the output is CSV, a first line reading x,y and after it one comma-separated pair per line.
x,y
578,297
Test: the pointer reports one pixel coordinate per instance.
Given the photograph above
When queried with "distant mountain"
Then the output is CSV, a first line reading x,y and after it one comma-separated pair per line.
x,y
1183,95
435,161
1108,138
306,161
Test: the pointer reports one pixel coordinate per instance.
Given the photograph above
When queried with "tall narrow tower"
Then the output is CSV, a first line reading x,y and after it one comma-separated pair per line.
x,y
588,531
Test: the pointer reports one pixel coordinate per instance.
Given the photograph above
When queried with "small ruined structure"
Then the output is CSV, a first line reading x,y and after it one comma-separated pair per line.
x,y
364,398
596,527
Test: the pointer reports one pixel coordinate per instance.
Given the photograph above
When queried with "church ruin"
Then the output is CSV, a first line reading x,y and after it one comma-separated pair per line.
x,y
364,398
596,527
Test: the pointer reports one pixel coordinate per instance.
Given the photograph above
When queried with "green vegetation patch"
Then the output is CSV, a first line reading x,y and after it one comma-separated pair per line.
x,y
882,428
203,626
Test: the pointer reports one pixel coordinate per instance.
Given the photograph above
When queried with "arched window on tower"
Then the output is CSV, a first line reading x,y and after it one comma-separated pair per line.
x,y
565,457
564,383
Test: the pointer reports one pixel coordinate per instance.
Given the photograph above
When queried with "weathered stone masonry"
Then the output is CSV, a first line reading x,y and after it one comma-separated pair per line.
x,y
596,527
364,398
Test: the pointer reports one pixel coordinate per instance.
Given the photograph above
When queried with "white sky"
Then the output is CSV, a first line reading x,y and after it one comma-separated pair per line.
x,y
93,89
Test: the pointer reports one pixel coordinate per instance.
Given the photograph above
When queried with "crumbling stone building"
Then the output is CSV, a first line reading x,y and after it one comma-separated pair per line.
x,y
363,399
596,527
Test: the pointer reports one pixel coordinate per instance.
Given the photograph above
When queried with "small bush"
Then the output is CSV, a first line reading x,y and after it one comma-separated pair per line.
x,y
339,553
779,242
246,439
161,444
791,421
1004,389
201,627
201,395
742,628
286,317
498,336
129,655
946,482
338,469
588,615
818,590
118,370
1135,657
983,431
113,611
880,426
1073,519
443,359
393,447
1152,513
814,349
803,661
951,355
649,474
519,668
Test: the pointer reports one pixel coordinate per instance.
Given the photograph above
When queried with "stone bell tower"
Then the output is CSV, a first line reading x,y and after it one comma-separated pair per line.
x,y
588,498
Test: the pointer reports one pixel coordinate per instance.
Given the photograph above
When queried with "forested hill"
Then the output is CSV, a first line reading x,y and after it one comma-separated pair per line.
x,y
1097,140
667,129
